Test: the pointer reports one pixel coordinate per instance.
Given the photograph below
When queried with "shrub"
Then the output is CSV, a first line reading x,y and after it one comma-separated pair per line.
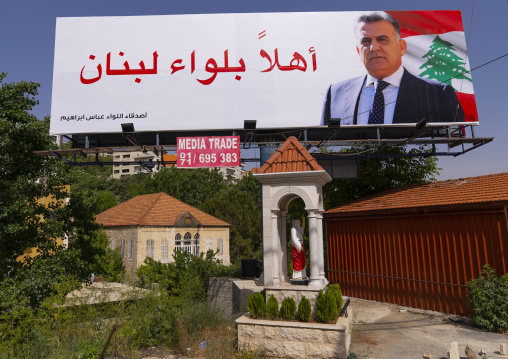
x,y
326,307
272,307
487,298
256,305
288,309
334,289
304,310
186,276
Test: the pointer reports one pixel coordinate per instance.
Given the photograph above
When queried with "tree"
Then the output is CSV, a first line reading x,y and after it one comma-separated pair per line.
x,y
241,210
190,186
185,277
93,181
250,184
25,220
379,173
25,178
127,187
442,63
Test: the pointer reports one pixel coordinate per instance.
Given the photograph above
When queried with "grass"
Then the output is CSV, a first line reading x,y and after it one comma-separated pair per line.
x,y
152,320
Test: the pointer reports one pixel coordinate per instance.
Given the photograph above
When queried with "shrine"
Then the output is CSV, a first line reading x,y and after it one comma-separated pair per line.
x,y
291,172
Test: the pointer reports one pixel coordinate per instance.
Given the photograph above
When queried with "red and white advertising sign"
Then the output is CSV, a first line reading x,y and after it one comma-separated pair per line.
x,y
213,72
196,152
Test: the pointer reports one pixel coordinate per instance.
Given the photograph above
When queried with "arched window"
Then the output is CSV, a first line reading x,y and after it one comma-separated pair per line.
x,y
164,249
149,248
220,246
113,244
187,242
122,248
209,245
129,250
195,246
178,241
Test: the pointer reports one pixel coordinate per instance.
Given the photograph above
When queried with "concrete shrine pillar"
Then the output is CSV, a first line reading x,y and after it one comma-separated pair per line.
x,y
314,248
275,248
284,277
320,249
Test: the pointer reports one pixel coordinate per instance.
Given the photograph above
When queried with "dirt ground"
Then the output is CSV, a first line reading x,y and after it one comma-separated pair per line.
x,y
386,331
159,353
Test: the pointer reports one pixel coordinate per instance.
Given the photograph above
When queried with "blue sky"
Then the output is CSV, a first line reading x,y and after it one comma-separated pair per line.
x,y
27,32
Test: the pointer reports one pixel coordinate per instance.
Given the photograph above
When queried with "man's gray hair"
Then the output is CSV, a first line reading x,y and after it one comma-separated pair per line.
x,y
376,16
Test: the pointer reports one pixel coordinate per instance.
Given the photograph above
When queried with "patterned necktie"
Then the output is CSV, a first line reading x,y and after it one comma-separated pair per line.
x,y
377,114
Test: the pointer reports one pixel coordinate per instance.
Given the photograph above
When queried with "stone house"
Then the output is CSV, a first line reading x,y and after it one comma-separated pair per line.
x,y
155,225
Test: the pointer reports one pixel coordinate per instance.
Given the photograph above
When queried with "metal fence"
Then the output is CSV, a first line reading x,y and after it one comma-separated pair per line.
x,y
416,260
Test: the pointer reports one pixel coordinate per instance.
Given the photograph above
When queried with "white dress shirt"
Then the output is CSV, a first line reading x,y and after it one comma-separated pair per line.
x,y
390,94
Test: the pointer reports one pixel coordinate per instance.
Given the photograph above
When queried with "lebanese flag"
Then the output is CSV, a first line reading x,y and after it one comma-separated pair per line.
x,y
436,49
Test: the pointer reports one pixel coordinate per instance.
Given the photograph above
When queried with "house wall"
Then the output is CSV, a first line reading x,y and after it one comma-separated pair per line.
x,y
418,260
140,236
127,233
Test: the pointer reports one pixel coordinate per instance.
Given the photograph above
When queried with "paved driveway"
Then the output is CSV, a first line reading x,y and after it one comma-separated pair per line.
x,y
386,331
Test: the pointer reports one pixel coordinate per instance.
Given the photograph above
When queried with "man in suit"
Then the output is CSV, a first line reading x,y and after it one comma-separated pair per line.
x,y
388,94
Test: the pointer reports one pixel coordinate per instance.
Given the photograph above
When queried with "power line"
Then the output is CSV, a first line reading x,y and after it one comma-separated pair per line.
x,y
468,38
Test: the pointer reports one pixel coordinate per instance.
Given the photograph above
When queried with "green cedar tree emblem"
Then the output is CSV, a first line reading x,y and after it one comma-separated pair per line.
x,y
442,63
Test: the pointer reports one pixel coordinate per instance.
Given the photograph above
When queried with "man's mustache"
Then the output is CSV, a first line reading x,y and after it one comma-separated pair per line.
x,y
378,56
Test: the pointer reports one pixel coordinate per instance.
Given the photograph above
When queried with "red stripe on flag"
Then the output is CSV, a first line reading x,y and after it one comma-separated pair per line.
x,y
428,22
468,104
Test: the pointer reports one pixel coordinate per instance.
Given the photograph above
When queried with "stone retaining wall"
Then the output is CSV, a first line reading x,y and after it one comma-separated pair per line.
x,y
283,339
231,293
220,293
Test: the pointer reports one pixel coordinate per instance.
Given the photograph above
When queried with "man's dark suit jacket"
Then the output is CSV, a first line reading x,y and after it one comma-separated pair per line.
x,y
417,98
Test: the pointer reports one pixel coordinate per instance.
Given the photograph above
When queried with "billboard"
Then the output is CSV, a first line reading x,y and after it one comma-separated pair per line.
x,y
284,70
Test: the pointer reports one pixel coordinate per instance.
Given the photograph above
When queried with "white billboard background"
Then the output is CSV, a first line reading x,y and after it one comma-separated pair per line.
x,y
173,102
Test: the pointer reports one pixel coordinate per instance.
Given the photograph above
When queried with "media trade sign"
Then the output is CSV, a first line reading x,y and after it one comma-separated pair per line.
x,y
284,70
208,151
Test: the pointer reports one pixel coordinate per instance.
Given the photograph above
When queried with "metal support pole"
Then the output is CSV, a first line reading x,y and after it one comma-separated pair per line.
x,y
107,342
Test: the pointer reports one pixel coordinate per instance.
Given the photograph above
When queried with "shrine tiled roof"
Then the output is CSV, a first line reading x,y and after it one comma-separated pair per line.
x,y
291,156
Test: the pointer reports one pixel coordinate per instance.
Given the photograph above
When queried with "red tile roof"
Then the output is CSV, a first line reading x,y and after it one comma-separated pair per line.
x,y
290,157
462,191
157,209
252,170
